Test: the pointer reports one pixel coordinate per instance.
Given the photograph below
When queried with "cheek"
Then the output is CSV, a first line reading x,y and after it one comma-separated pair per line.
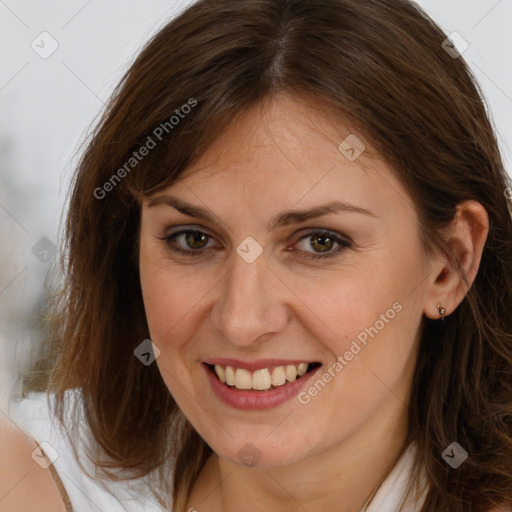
x,y
340,306
370,318
172,297
170,302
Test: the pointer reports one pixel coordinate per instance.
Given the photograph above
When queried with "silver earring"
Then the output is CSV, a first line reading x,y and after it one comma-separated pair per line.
x,y
441,311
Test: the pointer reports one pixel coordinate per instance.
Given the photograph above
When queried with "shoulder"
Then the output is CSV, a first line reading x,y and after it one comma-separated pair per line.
x,y
27,482
81,483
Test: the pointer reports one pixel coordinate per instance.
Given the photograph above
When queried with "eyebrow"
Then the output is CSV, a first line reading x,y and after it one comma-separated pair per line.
x,y
281,219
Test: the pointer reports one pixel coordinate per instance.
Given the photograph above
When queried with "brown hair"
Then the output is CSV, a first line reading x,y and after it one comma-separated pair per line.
x,y
378,62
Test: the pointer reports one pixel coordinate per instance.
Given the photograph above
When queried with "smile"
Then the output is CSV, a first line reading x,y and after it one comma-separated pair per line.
x,y
261,379
258,386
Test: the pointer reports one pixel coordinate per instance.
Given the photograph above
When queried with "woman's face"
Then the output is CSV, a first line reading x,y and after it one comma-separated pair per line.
x,y
266,294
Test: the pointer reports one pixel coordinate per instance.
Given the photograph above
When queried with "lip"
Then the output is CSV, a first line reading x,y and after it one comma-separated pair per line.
x,y
256,365
256,400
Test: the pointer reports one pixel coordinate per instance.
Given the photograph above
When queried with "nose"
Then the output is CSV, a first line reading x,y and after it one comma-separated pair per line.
x,y
251,302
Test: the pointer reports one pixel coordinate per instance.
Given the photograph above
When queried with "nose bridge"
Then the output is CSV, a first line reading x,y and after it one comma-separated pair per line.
x,y
249,304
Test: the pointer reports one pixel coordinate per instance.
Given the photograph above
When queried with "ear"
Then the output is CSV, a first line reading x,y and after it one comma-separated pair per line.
x,y
466,236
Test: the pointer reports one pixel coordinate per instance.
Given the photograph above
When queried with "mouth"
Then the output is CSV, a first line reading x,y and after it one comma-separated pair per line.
x,y
261,380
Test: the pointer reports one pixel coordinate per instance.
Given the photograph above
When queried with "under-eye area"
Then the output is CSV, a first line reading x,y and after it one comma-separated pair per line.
x,y
263,379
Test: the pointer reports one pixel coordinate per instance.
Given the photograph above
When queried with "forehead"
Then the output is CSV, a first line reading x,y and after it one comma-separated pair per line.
x,y
289,125
286,151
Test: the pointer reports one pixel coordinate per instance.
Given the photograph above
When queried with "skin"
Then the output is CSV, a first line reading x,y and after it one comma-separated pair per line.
x,y
24,485
331,453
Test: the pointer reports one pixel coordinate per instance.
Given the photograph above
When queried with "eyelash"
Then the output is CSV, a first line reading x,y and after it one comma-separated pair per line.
x,y
343,244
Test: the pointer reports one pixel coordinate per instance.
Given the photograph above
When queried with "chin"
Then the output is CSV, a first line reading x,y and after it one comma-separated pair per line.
x,y
260,453
251,457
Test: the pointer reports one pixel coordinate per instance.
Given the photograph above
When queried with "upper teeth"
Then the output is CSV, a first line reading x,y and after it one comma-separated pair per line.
x,y
260,379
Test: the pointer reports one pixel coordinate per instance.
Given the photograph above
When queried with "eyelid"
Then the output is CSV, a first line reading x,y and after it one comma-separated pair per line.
x,y
344,242
325,231
206,231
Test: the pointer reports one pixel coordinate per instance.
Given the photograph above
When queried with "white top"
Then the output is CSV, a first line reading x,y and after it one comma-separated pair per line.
x,y
391,493
33,416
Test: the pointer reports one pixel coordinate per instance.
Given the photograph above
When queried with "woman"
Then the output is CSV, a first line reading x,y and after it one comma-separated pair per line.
x,y
213,357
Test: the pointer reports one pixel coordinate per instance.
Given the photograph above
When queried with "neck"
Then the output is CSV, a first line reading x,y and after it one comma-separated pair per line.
x,y
342,477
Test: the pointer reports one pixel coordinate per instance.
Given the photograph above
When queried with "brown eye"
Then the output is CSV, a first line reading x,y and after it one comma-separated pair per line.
x,y
322,244
196,239
192,242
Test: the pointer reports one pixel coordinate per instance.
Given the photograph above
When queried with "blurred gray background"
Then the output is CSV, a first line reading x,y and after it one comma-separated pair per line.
x,y
60,59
